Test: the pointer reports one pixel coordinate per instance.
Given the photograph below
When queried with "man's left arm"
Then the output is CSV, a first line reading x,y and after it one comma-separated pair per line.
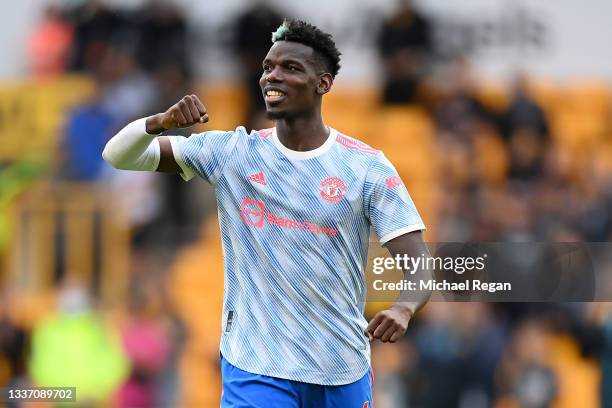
x,y
391,324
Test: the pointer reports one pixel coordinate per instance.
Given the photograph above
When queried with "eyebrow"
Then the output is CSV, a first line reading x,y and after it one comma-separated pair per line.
x,y
288,61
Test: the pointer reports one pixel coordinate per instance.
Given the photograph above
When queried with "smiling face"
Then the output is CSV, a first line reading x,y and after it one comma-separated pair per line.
x,y
293,80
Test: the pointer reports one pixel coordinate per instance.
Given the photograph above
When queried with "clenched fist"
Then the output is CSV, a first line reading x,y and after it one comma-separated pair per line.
x,y
389,325
186,112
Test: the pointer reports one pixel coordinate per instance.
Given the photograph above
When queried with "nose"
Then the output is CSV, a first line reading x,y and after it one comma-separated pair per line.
x,y
274,76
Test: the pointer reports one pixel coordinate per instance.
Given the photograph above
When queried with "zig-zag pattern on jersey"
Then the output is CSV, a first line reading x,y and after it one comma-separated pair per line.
x,y
354,144
293,298
265,133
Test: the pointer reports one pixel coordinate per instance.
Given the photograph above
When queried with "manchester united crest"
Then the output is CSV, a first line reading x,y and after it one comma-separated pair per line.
x,y
333,189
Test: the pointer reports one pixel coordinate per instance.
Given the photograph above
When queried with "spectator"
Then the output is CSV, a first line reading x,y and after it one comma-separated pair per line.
x,y
524,112
75,348
525,127
252,38
12,346
130,92
164,38
147,344
87,130
94,27
405,44
49,44
525,377
459,111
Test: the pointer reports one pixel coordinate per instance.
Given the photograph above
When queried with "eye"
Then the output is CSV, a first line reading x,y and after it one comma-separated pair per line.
x,y
267,68
292,68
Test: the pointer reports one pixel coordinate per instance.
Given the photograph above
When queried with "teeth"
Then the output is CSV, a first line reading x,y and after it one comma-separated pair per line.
x,y
274,93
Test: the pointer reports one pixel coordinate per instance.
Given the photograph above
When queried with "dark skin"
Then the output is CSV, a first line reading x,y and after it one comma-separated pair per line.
x,y
294,69
391,324
293,83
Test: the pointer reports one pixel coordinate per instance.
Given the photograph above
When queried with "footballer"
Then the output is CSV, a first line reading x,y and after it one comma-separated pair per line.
x,y
296,203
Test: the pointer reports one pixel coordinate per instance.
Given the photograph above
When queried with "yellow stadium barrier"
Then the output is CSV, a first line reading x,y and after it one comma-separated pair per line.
x,y
70,230
32,114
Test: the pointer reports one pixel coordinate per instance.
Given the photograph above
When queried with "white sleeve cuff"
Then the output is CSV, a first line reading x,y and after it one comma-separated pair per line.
x,y
419,226
186,173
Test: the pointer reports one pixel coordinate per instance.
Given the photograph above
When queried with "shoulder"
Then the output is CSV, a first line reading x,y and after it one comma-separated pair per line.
x,y
240,131
373,159
355,147
261,135
360,151
216,137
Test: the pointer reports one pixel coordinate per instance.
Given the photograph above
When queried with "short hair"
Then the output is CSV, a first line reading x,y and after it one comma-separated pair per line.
x,y
322,43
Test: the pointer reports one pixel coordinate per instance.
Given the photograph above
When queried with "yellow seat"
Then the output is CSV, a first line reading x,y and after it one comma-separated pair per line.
x,y
588,95
406,135
546,93
196,290
226,105
351,111
578,130
493,94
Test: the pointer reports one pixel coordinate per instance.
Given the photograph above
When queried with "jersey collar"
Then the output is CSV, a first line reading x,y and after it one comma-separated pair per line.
x,y
308,154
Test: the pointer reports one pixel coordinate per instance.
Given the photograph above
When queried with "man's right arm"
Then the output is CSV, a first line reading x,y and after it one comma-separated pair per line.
x,y
138,147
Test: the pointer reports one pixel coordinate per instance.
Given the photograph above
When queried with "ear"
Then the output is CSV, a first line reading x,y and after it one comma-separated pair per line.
x,y
325,84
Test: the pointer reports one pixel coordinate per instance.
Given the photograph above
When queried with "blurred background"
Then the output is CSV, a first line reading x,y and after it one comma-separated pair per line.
x,y
497,115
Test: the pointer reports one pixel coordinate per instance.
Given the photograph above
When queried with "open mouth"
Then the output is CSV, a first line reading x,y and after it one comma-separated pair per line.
x,y
274,95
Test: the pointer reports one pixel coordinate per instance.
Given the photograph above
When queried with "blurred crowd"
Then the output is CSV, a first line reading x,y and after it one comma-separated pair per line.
x,y
504,174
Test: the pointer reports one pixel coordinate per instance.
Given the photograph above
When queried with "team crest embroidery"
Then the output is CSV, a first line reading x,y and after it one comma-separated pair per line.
x,y
366,404
333,189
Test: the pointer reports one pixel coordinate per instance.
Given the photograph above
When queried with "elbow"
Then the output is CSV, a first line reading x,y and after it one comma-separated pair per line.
x,y
110,158
107,157
105,154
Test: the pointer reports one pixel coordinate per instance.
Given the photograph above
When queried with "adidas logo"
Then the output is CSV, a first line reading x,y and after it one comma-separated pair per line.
x,y
258,178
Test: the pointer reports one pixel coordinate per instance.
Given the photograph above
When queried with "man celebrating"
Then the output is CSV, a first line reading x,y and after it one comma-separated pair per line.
x,y
295,204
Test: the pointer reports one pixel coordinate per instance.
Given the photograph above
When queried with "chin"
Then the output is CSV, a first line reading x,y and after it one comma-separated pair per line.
x,y
278,115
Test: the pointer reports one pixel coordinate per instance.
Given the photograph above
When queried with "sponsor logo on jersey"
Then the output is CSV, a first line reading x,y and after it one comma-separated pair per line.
x,y
258,178
253,212
333,189
393,182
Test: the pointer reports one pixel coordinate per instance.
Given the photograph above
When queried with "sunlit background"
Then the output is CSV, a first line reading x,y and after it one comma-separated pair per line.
x,y
496,114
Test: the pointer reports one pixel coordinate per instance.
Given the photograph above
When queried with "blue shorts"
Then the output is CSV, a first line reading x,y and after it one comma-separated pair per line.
x,y
242,389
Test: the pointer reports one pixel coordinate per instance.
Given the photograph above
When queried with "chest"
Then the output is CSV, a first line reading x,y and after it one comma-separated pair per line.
x,y
324,192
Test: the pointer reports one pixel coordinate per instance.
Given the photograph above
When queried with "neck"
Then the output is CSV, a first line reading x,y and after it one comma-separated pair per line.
x,y
302,133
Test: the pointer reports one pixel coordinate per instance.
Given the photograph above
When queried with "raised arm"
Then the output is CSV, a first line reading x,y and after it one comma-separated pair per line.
x,y
391,324
138,146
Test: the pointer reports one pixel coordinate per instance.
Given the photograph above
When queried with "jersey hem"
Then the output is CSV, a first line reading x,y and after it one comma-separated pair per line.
x,y
419,226
314,377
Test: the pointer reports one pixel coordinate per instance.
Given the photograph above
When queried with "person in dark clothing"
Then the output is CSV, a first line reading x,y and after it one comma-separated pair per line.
x,y
164,39
252,31
405,44
94,27
525,127
524,112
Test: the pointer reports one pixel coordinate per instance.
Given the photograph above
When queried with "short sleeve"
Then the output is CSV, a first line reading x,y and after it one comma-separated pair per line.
x,y
204,154
388,205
